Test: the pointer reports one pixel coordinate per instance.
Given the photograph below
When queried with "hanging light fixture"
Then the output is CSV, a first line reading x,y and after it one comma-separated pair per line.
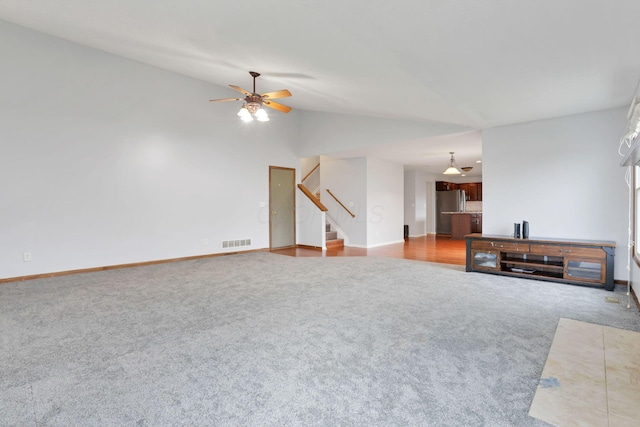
x,y
453,167
261,115
251,110
253,102
244,114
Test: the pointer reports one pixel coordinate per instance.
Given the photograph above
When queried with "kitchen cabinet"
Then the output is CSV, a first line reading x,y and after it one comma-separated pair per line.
x,y
473,190
446,186
476,222
467,190
578,262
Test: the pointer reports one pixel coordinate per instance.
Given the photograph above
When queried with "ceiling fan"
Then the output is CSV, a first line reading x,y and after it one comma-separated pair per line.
x,y
254,101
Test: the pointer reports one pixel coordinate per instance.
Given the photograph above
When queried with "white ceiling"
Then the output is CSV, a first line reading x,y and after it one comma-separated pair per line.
x,y
472,63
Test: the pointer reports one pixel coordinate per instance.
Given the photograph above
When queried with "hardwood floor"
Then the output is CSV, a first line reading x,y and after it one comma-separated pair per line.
x,y
432,248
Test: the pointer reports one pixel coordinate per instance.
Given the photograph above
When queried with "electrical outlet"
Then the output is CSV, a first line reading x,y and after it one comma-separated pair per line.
x,y
26,256
204,242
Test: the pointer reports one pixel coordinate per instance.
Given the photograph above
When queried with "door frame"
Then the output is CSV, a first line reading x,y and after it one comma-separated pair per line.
x,y
293,189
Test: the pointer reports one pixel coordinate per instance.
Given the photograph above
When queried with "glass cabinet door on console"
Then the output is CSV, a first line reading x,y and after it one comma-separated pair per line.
x,y
485,260
585,270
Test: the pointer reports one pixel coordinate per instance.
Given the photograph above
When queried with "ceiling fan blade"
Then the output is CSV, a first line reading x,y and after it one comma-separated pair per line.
x,y
276,106
225,99
239,89
277,94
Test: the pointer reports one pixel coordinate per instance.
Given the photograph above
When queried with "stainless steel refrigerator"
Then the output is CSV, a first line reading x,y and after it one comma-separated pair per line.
x,y
448,201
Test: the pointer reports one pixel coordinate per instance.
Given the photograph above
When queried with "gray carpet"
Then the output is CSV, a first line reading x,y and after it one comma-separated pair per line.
x,y
264,339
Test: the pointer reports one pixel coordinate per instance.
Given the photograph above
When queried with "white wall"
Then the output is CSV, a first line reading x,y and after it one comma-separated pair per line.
x,y
106,161
347,179
634,277
326,133
431,206
634,270
409,199
562,175
415,202
370,188
385,202
421,205
307,164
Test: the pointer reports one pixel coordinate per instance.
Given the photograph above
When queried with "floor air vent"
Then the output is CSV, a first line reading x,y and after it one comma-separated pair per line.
x,y
236,243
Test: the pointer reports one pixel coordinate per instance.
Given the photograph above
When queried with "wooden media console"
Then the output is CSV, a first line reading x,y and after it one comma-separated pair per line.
x,y
578,262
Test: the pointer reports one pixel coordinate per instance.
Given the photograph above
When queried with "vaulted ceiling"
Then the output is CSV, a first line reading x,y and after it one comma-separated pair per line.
x,y
477,64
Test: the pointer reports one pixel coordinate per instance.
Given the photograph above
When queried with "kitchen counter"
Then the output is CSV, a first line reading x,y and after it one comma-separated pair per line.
x,y
460,225
463,223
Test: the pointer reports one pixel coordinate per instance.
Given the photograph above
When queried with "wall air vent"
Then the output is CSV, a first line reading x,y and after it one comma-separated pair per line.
x,y
236,243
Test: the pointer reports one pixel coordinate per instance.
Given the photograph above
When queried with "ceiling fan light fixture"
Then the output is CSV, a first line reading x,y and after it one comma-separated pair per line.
x,y
245,115
252,107
453,167
243,111
261,115
253,101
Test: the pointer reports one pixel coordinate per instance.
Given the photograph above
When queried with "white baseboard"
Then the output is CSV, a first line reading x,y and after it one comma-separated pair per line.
x,y
375,246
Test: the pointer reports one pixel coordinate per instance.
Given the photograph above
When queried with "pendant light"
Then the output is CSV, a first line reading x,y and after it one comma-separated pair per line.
x,y
453,167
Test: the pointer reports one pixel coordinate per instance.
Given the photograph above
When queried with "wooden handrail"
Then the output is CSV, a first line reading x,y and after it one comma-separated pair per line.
x,y
340,203
312,171
313,198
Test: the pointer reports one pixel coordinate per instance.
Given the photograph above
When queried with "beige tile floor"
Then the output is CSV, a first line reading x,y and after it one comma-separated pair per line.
x,y
591,377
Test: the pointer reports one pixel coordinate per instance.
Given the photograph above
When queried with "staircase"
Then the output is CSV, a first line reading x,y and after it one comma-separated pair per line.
x,y
311,187
332,239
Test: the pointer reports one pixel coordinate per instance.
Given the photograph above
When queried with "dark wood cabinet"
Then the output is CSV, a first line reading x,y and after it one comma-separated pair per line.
x,y
476,223
473,190
465,188
465,223
578,262
446,186
461,225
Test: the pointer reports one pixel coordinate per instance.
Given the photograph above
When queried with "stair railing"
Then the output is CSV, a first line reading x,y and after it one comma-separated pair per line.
x,y
310,172
341,204
312,180
312,225
313,198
